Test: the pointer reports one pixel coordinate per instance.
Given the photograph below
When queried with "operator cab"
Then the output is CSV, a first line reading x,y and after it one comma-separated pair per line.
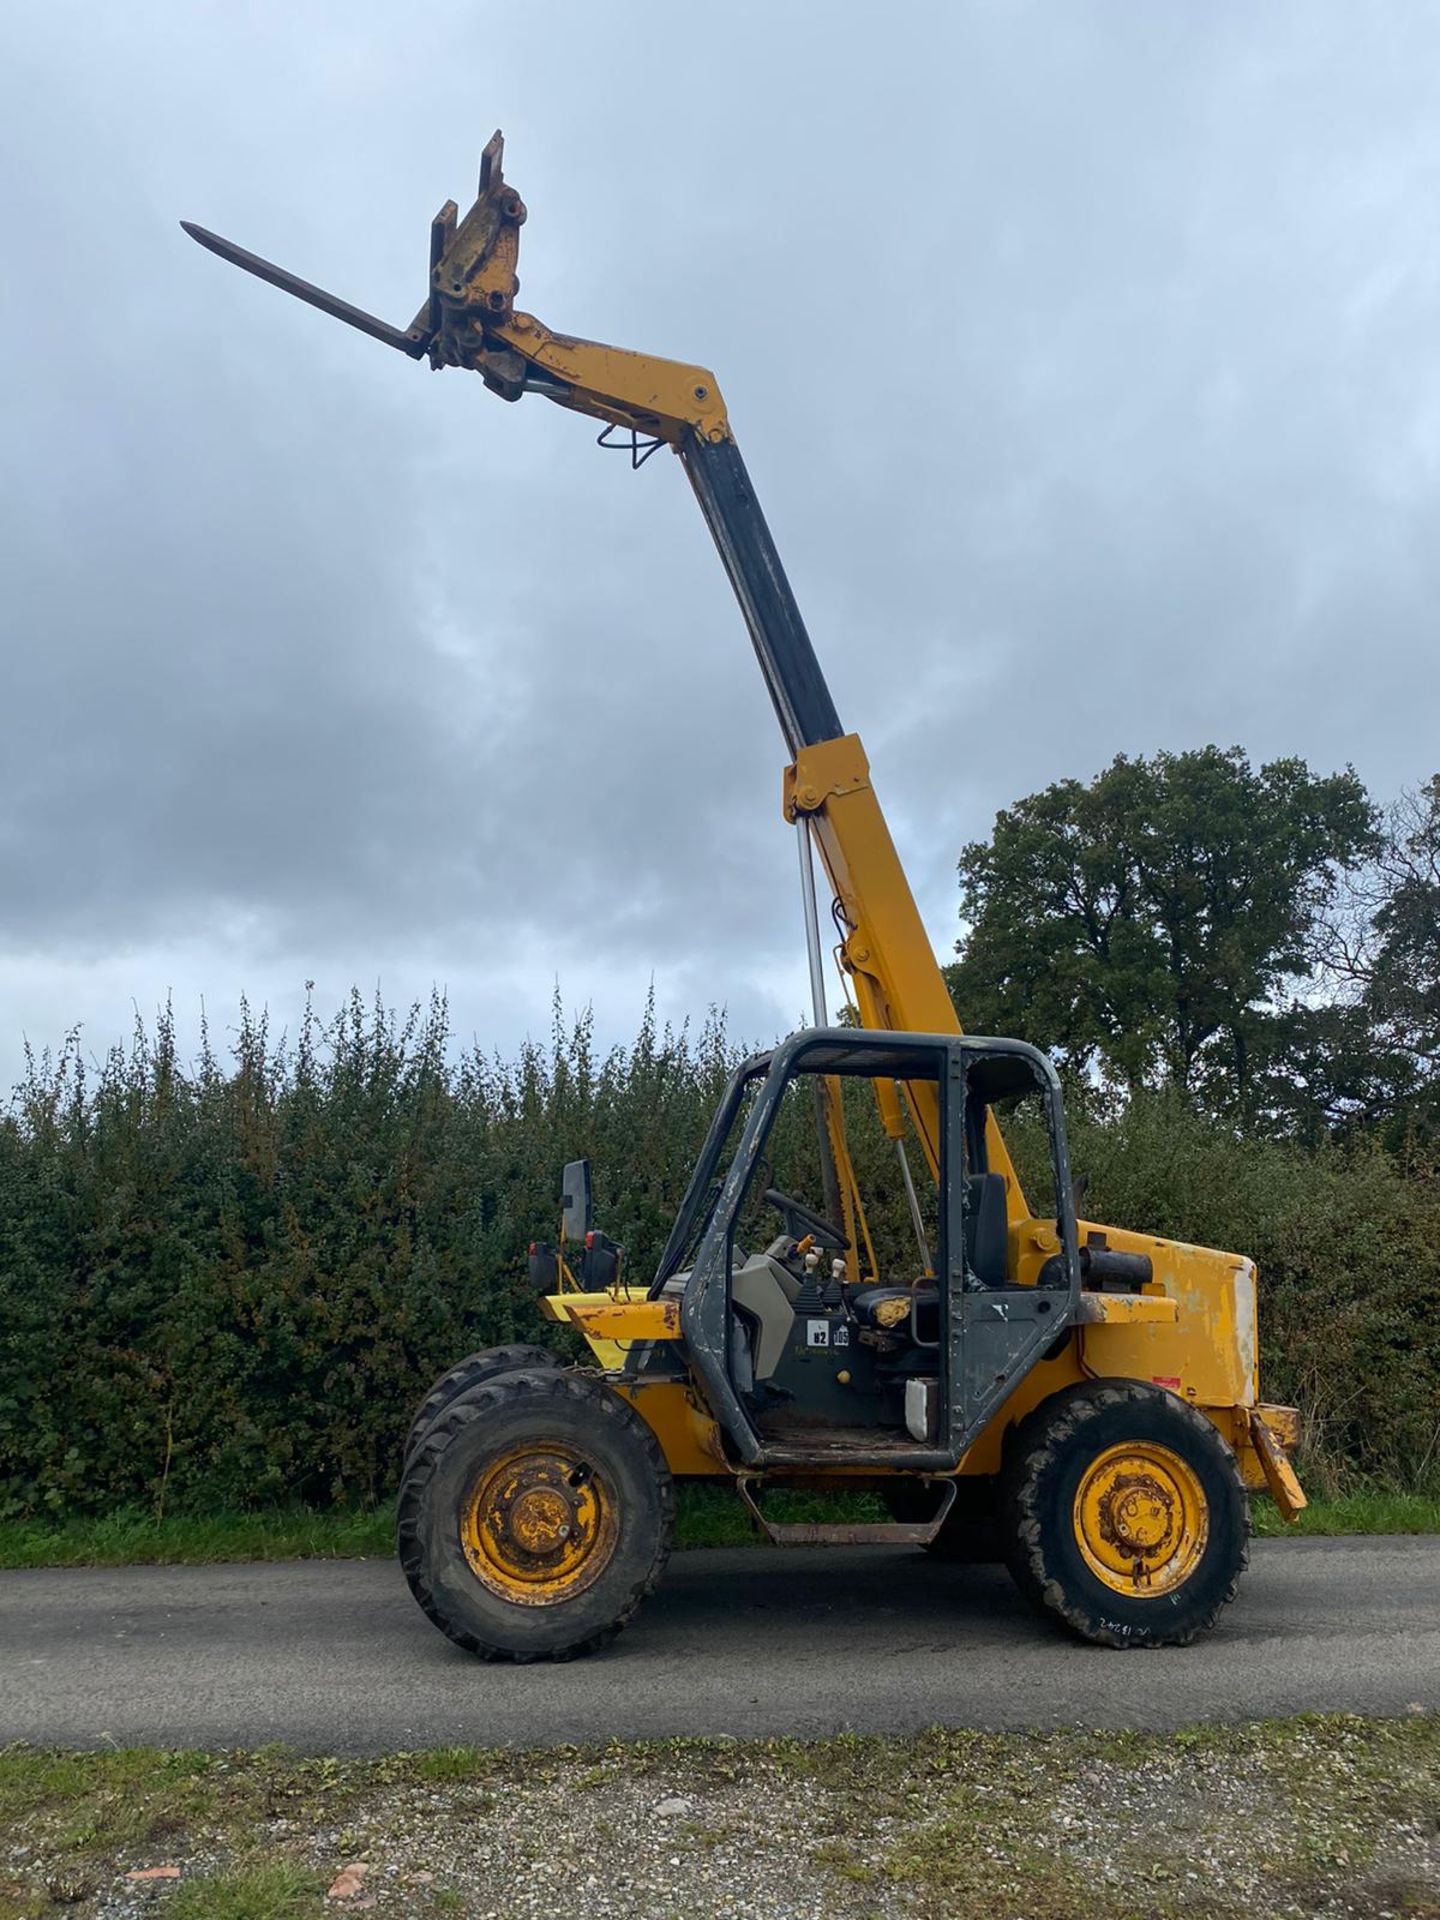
x,y
852,1332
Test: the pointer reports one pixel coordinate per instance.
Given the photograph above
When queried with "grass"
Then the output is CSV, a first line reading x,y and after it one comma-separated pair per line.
x,y
1367,1510
138,1539
273,1887
88,1818
708,1517
1319,1814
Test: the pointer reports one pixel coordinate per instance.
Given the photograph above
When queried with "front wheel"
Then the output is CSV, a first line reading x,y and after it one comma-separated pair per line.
x,y
1123,1515
468,1373
534,1516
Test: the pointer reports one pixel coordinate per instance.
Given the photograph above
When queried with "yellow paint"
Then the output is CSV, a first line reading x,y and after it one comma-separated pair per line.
x,y
658,397
1127,1310
1233,1426
1283,1422
689,1438
887,954
1141,1519
1191,1329
1280,1476
625,1321
1207,1353
539,1525
852,1202
612,1322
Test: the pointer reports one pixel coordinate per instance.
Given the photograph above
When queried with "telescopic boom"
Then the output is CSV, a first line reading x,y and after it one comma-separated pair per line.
x,y
470,320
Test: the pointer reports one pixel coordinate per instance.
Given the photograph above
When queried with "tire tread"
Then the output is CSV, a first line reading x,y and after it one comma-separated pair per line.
x,y
492,1396
469,1372
1036,1446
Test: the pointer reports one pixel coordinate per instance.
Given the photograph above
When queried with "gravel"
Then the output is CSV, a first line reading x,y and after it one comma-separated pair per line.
x,y
1323,1818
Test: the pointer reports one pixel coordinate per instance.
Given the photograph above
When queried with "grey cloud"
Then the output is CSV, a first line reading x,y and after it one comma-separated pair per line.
x,y
1084,358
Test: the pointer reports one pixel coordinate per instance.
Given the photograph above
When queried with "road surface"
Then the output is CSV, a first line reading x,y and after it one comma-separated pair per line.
x,y
335,1657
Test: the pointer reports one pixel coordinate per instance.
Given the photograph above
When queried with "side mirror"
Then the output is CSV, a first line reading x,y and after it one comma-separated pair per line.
x,y
575,1203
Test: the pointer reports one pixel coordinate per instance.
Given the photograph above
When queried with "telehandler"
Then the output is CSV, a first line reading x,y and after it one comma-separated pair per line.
x,y
1078,1399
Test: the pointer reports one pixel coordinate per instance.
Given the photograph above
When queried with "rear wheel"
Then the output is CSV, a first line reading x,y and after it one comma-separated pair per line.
x,y
534,1516
468,1373
1123,1515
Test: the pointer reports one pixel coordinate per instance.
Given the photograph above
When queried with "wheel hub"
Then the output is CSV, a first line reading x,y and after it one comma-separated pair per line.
x,y
539,1522
539,1525
1138,1518
1141,1519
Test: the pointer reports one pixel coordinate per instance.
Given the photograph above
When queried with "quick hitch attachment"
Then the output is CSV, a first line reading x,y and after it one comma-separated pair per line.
x,y
470,320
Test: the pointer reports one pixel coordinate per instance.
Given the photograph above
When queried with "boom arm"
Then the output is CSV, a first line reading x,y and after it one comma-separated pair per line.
x,y
470,320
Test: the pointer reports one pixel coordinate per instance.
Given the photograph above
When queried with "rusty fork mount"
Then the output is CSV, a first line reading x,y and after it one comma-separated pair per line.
x,y
470,320
472,276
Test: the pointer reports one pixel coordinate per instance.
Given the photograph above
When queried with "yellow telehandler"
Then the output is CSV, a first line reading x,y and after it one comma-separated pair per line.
x,y
1080,1400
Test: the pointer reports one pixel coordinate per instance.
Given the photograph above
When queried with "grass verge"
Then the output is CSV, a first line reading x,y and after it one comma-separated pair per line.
x,y
138,1539
1370,1510
708,1517
1336,1815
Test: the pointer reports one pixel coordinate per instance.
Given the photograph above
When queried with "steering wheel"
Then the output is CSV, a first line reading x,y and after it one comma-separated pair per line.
x,y
796,1214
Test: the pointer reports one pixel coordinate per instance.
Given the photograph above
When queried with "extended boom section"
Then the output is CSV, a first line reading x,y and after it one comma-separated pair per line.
x,y
470,320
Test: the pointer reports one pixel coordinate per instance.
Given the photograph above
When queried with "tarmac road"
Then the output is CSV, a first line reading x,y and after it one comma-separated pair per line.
x,y
335,1657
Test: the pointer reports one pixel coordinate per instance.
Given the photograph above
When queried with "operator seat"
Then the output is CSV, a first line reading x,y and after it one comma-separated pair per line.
x,y
987,1238
987,1230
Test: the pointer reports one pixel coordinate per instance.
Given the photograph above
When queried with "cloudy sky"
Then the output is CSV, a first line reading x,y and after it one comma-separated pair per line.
x,y
1086,357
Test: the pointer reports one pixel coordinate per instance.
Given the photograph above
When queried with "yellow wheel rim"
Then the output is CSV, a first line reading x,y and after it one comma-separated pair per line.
x,y
1141,1519
539,1525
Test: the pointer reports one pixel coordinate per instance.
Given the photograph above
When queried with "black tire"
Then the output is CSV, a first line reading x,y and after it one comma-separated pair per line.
x,y
971,1533
1048,1461
539,1414
468,1373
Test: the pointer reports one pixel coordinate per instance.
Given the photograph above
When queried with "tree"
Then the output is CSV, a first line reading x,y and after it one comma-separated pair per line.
x,y
1405,986
1145,928
1379,1048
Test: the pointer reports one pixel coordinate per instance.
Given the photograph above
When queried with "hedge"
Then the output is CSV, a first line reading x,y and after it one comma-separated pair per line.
x,y
225,1283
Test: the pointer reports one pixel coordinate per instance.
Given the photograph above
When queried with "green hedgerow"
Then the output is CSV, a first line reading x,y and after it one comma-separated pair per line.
x,y
227,1284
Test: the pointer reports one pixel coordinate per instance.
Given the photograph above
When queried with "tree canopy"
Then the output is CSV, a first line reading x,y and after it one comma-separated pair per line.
x,y
1154,926
1376,1035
